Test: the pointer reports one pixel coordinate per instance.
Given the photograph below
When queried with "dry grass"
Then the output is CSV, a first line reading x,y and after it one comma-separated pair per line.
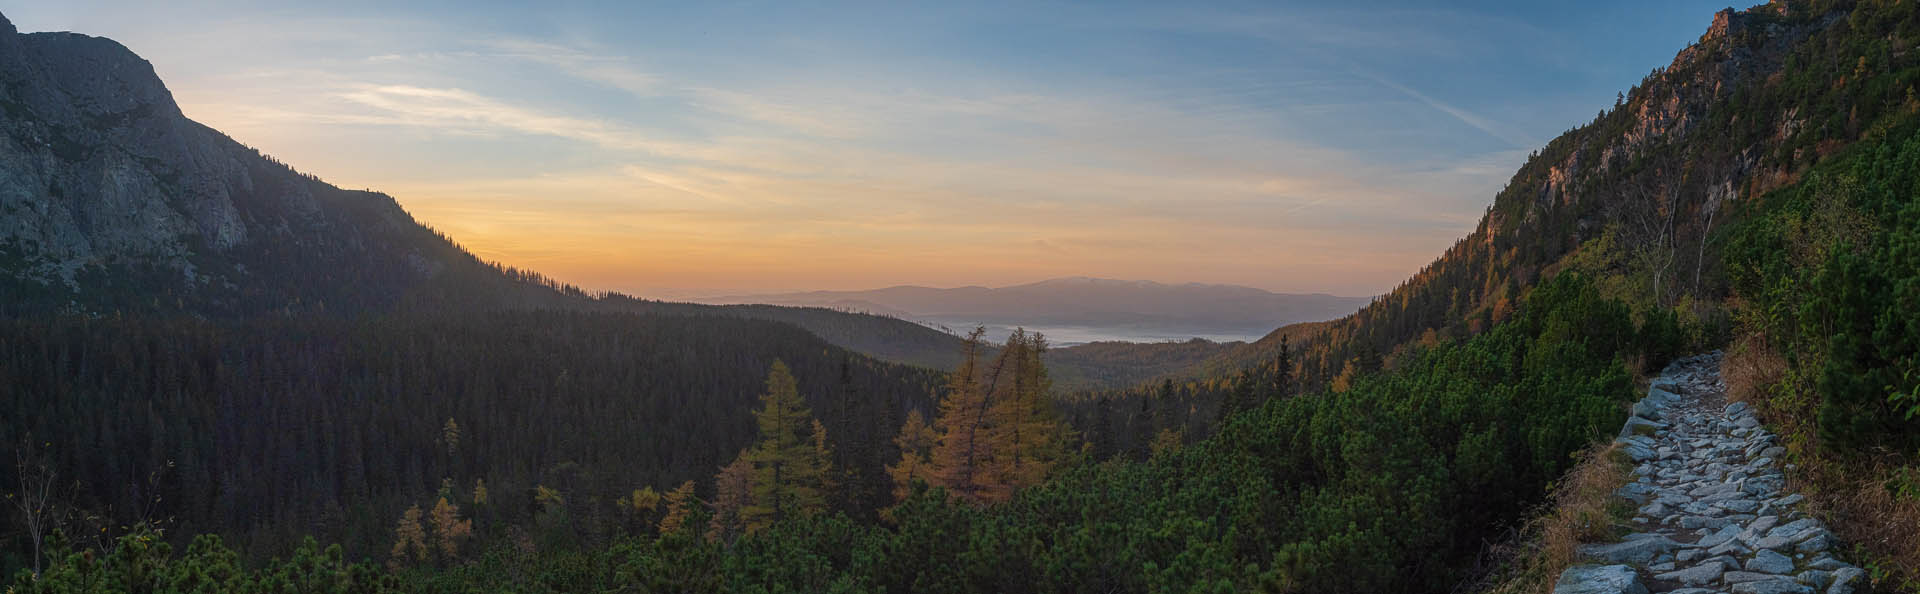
x,y
1582,510
1872,503
1866,513
1751,368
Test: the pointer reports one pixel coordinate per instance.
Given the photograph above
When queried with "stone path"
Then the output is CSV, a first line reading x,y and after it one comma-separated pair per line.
x,y
1713,516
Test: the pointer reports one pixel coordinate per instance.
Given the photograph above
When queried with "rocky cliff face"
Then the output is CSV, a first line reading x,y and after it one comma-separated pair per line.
x,y
101,174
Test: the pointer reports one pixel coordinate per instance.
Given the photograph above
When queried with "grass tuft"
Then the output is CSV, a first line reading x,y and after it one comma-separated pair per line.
x,y
1582,509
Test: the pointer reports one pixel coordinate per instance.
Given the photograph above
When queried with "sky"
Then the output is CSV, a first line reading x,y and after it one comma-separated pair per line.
x,y
675,149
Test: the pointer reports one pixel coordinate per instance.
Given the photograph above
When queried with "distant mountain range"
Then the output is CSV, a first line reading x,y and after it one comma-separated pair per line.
x,y
1081,309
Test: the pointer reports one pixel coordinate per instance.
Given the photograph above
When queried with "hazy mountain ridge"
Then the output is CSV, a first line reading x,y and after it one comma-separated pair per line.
x,y
1192,309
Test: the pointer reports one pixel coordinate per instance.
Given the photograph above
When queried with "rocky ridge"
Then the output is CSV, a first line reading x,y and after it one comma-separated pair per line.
x,y
1713,514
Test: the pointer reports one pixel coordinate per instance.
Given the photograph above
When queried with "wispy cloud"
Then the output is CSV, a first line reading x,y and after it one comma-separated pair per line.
x,y
1469,118
618,72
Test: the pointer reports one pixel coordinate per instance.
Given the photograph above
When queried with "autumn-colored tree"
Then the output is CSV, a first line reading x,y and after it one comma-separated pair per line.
x,y
641,501
479,491
1028,441
448,529
1166,440
732,492
964,446
916,441
679,503
549,498
823,459
408,535
789,470
450,436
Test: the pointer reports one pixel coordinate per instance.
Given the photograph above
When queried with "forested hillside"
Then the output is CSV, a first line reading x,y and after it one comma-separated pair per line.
x,y
274,430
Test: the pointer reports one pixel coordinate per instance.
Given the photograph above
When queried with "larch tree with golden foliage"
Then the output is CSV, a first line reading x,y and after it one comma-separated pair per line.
x,y
732,492
448,529
1028,441
679,503
791,461
964,447
996,433
409,537
916,441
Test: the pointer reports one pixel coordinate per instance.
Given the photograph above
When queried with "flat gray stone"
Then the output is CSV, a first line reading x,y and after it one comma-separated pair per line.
x,y
1638,551
1736,577
1777,585
1814,544
1719,537
1698,575
1816,578
1741,506
1599,579
1846,580
1647,408
1827,563
1637,426
1767,561
1793,527
1731,546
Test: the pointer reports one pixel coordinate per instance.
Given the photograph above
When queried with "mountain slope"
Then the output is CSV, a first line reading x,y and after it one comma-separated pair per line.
x,y
1637,195
116,202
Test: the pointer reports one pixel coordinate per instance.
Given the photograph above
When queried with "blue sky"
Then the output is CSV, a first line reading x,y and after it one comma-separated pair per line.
x,y
717,147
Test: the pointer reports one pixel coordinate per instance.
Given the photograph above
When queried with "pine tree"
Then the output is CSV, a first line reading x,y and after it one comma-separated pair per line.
x,y
1282,371
1239,399
1142,427
1101,440
789,474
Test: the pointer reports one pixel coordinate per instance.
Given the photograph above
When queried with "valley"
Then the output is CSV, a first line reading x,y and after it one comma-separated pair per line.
x,y
1677,352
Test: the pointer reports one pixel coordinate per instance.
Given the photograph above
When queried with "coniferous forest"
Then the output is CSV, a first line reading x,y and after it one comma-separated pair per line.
x,y
366,407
